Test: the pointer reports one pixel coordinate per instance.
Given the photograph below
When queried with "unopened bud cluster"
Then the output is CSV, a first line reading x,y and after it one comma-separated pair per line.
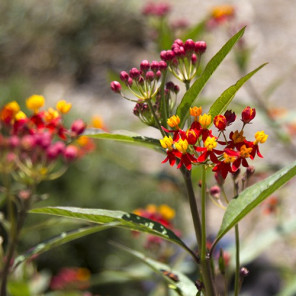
x,y
183,58
31,145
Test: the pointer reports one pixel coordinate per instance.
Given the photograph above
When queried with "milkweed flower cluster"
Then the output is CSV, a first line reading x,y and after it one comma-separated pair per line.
x,y
198,145
71,279
220,14
162,214
156,9
33,144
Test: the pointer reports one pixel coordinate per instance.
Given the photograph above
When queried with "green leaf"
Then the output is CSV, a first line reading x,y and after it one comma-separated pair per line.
x,y
289,288
195,31
226,97
124,137
123,219
165,39
239,207
184,286
198,85
59,240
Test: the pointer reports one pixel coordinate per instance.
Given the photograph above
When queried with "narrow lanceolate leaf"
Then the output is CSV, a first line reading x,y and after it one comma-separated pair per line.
x,y
199,84
239,207
177,280
123,219
226,97
59,240
124,137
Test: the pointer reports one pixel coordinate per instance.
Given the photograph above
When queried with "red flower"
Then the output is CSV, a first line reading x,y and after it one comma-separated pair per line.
x,y
248,114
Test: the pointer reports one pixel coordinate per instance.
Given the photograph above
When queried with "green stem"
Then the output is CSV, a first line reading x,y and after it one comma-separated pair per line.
x,y
237,262
16,222
205,263
155,117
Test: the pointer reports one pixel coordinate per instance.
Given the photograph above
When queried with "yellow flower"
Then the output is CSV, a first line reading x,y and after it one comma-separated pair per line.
x,y
228,159
195,111
35,102
167,212
245,152
20,115
174,121
14,106
97,122
151,208
167,143
182,146
205,120
210,143
260,137
63,106
51,114
238,137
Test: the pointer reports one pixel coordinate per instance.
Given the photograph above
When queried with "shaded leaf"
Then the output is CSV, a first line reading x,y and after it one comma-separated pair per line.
x,y
124,137
226,97
59,240
184,285
199,84
239,207
123,219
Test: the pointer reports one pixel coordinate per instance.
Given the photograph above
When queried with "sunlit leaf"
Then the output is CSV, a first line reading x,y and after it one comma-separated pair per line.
x,y
199,84
226,97
59,240
123,219
184,286
124,137
239,207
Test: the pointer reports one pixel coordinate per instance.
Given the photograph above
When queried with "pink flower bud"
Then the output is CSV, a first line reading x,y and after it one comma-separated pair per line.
x,y
179,51
43,139
13,141
215,191
179,42
130,81
124,76
200,47
176,89
189,45
162,65
158,75
70,153
134,73
150,75
115,86
144,66
78,127
154,66
193,59
28,142
55,150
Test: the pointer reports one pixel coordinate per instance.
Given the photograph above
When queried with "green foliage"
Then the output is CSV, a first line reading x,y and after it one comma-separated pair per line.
x,y
126,137
191,95
184,286
124,220
240,206
226,97
59,240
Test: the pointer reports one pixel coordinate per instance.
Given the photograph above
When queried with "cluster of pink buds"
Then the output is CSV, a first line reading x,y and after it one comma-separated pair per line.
x,y
183,58
32,145
144,83
156,9
198,145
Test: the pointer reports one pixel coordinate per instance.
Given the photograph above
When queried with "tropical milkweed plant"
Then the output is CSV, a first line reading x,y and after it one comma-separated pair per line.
x,y
188,137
